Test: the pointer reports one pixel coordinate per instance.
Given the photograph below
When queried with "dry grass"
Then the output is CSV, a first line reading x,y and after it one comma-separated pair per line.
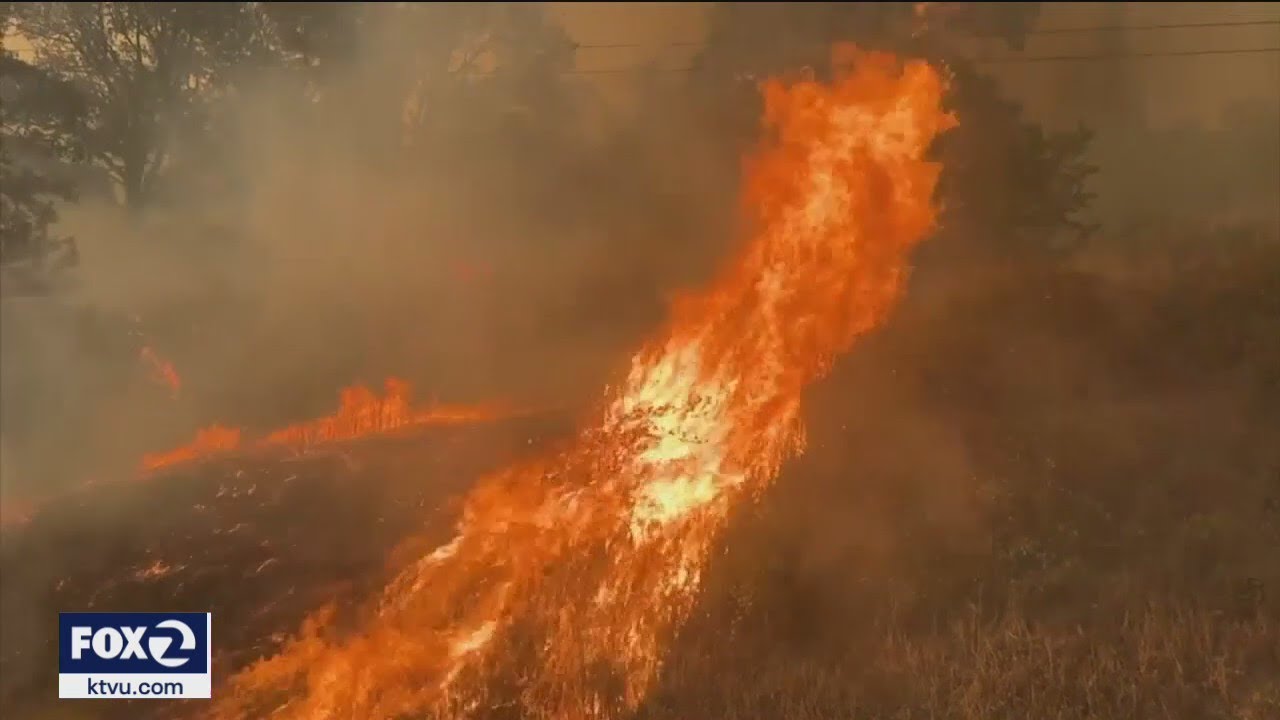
x,y
1105,545
1043,497
1162,663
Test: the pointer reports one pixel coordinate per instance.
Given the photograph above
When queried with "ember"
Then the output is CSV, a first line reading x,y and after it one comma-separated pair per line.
x,y
162,371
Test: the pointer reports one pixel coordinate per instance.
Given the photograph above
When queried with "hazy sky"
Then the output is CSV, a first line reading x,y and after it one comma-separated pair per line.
x,y
1164,90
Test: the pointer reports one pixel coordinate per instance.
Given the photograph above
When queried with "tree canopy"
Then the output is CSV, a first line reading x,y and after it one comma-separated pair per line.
x,y
1006,177
37,115
135,89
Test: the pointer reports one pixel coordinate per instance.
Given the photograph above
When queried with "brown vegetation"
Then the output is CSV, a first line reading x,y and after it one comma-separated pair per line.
x,y
1045,493
1052,494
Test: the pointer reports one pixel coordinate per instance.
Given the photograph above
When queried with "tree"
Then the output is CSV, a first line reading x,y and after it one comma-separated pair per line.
x,y
37,115
1011,187
449,79
315,35
146,71
1006,179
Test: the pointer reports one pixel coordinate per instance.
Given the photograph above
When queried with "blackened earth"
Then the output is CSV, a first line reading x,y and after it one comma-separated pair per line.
x,y
260,542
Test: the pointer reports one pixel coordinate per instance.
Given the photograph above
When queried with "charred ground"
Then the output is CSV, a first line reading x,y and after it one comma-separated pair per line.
x,y
259,541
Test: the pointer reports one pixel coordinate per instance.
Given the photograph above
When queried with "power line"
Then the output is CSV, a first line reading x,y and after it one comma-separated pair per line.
x,y
1012,60
1122,55
1166,26
1045,31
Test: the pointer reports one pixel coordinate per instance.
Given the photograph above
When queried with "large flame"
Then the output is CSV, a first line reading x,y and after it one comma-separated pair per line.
x,y
569,573
361,412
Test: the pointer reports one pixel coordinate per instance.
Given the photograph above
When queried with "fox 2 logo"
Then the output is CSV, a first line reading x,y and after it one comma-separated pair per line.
x,y
167,643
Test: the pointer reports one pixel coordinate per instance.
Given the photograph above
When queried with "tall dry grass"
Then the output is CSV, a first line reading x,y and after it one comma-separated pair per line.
x,y
1089,528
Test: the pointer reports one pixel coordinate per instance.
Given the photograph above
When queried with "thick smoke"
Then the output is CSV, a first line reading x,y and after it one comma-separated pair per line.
x,y
1125,384
302,251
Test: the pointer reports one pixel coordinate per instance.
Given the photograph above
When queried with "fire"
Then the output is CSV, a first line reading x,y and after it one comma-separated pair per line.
x,y
212,440
569,572
162,371
361,412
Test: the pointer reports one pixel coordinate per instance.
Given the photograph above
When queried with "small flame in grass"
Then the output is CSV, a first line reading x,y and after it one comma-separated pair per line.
x,y
212,440
361,413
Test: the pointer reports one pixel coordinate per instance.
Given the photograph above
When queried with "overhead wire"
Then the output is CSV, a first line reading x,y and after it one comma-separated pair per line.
x,y
1010,60
1044,31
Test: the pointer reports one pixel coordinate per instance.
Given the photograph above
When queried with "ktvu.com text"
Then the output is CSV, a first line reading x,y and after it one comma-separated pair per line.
x,y
134,655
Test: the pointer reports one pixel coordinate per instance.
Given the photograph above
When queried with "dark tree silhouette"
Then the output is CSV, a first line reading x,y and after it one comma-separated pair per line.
x,y
1007,178
146,70
37,116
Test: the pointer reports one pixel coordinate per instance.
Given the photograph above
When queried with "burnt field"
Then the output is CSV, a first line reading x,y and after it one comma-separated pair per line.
x,y
260,542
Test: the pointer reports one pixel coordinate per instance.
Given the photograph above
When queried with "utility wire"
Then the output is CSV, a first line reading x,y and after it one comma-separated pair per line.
x,y
1124,55
1045,31
1166,26
1011,60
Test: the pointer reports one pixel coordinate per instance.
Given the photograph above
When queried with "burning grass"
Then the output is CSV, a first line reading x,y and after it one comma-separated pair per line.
x,y
570,572
1116,563
361,413
1114,584
260,541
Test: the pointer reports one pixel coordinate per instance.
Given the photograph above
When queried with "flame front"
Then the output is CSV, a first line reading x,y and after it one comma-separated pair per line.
x,y
361,412
212,440
569,572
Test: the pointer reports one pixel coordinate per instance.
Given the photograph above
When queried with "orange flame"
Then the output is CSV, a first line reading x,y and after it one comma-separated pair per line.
x,y
212,440
569,573
162,371
361,413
